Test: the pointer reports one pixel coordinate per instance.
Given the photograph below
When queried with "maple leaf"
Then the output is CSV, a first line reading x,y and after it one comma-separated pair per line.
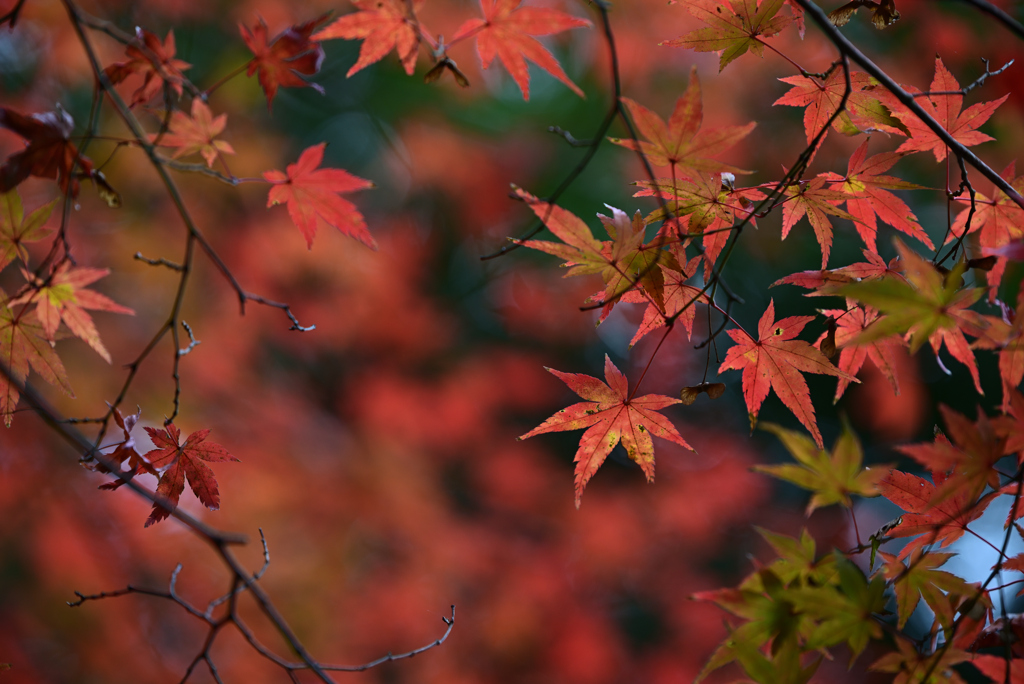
x,y
994,667
926,305
733,28
152,60
825,281
610,415
677,295
283,60
312,192
945,109
16,229
622,262
382,25
913,667
999,221
179,461
125,451
845,613
24,345
869,196
62,297
707,201
920,577
862,111
942,523
705,205
682,143
832,477
775,361
813,200
1007,335
49,152
196,134
506,32
970,458
851,324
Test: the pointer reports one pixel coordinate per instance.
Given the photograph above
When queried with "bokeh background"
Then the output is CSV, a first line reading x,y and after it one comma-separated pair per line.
x,y
378,453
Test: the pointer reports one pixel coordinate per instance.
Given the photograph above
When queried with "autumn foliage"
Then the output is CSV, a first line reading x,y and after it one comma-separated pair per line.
x,y
756,206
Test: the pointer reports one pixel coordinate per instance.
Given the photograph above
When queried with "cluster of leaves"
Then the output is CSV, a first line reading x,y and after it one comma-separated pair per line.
x,y
668,261
804,603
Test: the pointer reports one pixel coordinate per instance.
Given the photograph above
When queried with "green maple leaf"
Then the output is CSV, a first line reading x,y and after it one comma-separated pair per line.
x,y
927,305
16,229
844,613
832,477
733,27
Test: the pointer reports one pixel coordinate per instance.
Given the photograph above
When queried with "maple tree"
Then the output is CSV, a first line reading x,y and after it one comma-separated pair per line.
x,y
402,406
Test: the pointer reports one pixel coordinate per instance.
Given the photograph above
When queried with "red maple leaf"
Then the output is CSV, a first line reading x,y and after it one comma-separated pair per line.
x,y
49,152
943,523
383,26
610,415
310,192
152,60
850,324
507,31
1007,335
283,60
945,109
775,361
994,667
863,111
999,222
677,295
969,458
196,134
681,143
875,267
733,27
869,196
179,461
63,297
125,451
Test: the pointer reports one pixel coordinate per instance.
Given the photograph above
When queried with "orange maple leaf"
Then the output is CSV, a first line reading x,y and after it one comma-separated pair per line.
x,y
180,461
24,345
610,415
63,297
681,143
196,134
813,200
383,26
851,323
775,361
283,60
863,111
310,192
152,60
506,32
945,109
942,523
